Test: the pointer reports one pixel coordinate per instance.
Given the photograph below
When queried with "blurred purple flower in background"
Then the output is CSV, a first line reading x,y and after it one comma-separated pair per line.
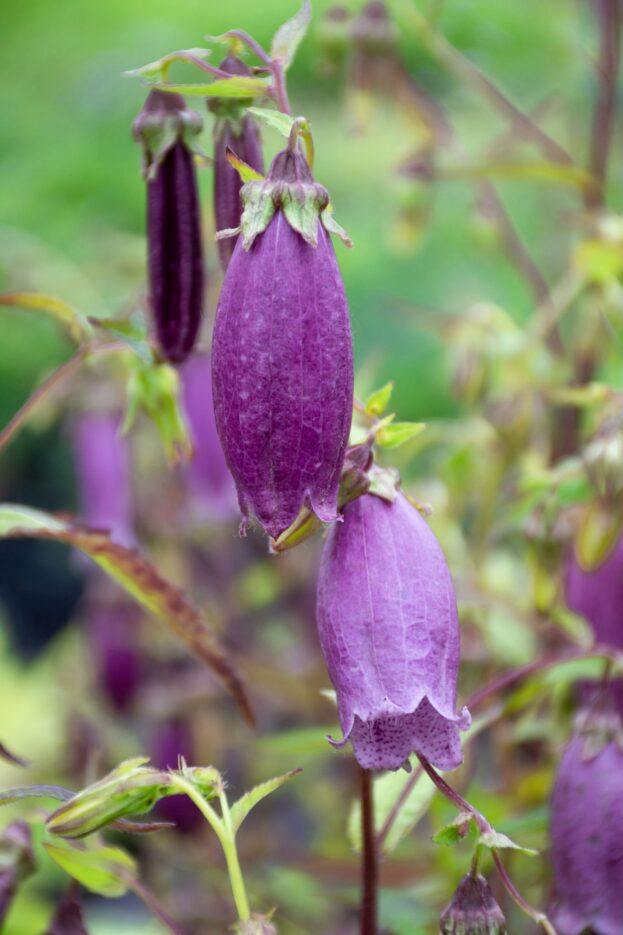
x,y
597,596
102,463
171,740
587,836
207,475
389,631
113,630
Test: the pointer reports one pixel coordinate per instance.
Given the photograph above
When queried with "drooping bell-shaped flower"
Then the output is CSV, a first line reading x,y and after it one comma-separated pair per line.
x,y
103,474
472,910
209,481
587,834
282,361
389,631
238,131
166,129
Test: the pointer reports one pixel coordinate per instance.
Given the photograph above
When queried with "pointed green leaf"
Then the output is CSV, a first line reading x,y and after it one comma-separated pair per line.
x,y
106,871
332,227
273,118
240,86
398,433
246,172
377,402
8,796
68,317
289,36
139,578
497,840
249,800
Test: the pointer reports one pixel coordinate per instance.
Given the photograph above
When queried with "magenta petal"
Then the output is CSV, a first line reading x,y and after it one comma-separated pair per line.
x,y
388,627
283,375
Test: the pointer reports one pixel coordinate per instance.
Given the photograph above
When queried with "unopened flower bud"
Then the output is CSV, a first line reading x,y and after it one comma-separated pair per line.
x,y
282,355
472,910
236,130
388,627
166,129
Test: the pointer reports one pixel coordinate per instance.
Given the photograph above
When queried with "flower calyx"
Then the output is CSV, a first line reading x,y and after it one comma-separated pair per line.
x,y
163,120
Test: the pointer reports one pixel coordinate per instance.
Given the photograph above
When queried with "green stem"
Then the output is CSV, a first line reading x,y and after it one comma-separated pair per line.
x,y
223,829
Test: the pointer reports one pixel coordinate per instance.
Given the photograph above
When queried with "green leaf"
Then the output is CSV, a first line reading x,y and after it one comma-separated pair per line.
x,y
378,401
138,577
497,840
389,790
156,70
398,433
155,388
274,119
249,800
246,172
460,827
288,37
74,323
240,86
107,871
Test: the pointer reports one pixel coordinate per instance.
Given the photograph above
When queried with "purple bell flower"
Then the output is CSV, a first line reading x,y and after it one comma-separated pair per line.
x,y
208,478
597,596
237,130
175,254
282,361
114,636
102,463
389,631
587,837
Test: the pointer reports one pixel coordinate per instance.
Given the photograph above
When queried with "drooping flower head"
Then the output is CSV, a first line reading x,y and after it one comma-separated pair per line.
x,y
166,129
587,832
389,631
236,130
472,910
282,354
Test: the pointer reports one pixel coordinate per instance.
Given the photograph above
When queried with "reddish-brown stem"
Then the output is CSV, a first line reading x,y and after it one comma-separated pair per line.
x,y
252,44
195,60
609,15
155,907
281,93
63,373
369,864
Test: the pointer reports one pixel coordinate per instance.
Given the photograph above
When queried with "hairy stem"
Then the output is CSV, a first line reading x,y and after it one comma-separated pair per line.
x,y
369,866
223,830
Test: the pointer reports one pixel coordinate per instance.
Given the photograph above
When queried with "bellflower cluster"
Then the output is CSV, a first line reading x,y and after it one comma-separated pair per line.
x,y
388,626
282,355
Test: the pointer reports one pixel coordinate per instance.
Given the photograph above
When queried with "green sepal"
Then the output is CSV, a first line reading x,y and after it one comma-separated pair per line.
x,y
332,227
257,213
301,212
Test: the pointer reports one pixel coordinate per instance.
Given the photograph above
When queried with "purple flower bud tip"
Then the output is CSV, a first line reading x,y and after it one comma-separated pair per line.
x,y
235,129
389,631
175,255
587,839
472,910
103,474
282,359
